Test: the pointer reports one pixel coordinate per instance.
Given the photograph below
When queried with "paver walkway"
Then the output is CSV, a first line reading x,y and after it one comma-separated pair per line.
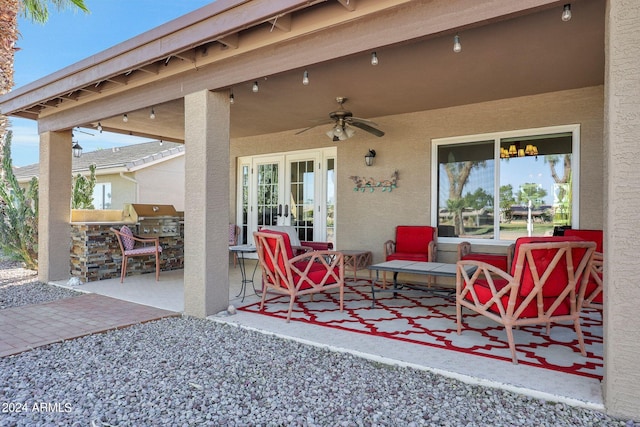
x,y
27,327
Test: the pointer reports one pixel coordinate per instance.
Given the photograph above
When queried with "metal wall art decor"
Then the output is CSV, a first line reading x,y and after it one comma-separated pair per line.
x,y
371,184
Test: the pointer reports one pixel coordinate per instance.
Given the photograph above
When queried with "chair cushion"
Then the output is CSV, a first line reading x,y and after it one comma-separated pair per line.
x,y
316,274
413,238
497,260
127,238
558,278
483,291
590,235
290,230
406,256
143,250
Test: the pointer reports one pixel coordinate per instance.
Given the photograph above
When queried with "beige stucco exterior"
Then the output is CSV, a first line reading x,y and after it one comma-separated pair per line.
x,y
159,183
507,86
622,204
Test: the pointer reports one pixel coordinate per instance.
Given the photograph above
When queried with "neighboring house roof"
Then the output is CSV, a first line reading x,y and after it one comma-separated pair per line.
x,y
122,159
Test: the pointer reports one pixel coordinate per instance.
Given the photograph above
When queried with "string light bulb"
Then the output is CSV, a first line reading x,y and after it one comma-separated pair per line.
x,y
566,12
374,58
232,98
305,78
255,87
99,127
457,46
153,114
125,118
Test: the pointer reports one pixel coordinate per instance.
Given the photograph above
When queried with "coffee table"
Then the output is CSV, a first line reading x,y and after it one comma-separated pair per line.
x,y
414,267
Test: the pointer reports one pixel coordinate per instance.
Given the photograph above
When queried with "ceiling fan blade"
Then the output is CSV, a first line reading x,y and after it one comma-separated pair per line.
x,y
304,130
359,119
366,127
324,122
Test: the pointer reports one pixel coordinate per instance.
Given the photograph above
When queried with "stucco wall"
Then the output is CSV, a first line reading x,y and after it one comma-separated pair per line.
x,y
122,190
366,220
622,240
163,183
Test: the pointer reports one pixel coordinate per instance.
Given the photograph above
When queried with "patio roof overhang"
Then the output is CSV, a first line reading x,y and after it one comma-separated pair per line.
x,y
510,49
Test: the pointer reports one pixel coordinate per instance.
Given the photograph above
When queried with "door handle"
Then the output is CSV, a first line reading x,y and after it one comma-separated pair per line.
x,y
286,211
279,210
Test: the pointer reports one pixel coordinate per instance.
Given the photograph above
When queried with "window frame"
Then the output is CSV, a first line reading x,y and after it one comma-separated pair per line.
x,y
574,129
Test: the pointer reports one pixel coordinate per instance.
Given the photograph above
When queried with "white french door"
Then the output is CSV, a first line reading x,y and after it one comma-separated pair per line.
x,y
295,188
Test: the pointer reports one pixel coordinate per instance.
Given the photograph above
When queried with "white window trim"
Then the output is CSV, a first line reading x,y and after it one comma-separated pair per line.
x,y
496,137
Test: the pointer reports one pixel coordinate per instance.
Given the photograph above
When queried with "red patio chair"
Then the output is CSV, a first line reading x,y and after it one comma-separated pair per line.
x,y
308,273
127,241
502,261
544,284
412,243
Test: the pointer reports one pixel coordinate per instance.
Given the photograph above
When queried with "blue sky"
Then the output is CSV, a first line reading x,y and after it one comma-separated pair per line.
x,y
69,37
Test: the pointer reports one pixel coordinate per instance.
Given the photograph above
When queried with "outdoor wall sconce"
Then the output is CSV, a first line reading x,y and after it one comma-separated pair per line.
x,y
368,158
76,148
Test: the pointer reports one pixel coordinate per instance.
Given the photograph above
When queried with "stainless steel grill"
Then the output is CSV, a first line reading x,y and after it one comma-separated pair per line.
x,y
155,220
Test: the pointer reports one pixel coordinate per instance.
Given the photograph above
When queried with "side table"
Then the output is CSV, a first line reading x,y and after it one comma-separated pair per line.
x,y
357,260
242,249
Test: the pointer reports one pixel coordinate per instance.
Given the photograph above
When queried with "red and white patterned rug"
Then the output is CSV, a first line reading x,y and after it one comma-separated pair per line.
x,y
427,318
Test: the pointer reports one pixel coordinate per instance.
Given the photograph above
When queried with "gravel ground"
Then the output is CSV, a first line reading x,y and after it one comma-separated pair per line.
x,y
193,372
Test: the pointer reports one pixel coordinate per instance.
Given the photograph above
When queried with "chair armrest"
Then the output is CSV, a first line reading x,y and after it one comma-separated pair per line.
x,y
318,246
464,249
154,240
389,248
433,251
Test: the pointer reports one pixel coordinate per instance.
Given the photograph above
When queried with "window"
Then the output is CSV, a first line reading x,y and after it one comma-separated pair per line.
x,y
102,195
506,185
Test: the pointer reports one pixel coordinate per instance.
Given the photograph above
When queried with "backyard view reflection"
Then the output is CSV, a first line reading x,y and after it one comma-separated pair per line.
x,y
528,195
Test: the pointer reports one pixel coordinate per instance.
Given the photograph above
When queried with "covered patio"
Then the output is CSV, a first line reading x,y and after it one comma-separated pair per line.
x,y
576,390
521,67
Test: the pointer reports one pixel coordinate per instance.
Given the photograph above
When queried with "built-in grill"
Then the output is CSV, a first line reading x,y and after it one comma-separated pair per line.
x,y
154,220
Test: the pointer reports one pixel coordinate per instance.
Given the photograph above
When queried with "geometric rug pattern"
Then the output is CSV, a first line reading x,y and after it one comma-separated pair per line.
x,y
429,318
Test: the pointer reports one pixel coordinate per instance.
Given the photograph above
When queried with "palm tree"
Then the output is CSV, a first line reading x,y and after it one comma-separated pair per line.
x,y
35,10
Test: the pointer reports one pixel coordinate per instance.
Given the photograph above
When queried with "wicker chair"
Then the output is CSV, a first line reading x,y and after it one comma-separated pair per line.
x,y
127,241
547,277
308,273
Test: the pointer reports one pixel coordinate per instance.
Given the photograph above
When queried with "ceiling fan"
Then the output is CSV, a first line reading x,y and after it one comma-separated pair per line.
x,y
344,122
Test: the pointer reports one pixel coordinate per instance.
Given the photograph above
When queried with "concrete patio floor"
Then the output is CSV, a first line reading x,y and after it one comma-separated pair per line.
x,y
167,294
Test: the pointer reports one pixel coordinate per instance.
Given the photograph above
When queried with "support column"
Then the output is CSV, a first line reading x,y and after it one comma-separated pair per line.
x,y
621,207
206,225
54,206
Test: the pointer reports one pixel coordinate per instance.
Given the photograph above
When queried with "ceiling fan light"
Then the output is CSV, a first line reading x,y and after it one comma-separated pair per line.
x,y
348,130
